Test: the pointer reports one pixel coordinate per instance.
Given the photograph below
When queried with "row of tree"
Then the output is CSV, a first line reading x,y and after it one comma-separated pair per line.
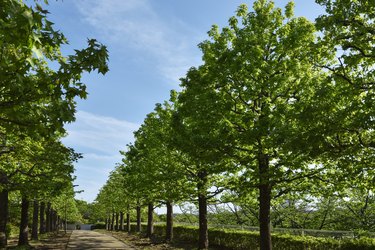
x,y
36,101
279,106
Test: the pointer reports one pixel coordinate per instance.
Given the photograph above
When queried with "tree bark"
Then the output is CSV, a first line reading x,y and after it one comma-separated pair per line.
x,y
264,203
117,220
54,220
169,229
50,226
113,221
138,208
128,229
58,222
4,211
34,229
150,220
107,223
42,222
23,238
121,221
48,217
202,203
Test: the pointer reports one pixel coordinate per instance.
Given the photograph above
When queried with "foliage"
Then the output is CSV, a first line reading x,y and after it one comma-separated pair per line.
x,y
85,209
36,101
280,116
150,166
9,230
67,207
35,98
235,239
347,96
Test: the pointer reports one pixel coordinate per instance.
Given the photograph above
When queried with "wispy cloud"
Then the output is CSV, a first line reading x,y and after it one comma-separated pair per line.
x,y
136,25
102,134
99,138
92,172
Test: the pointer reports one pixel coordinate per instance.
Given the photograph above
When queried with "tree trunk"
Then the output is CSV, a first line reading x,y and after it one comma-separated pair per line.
x,y
51,220
117,225
23,238
264,203
128,229
202,203
52,227
54,220
169,229
107,223
42,222
150,220
48,217
58,223
34,229
138,229
121,221
113,221
65,218
4,210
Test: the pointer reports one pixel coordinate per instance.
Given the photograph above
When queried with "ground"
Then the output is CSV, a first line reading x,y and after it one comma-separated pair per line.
x,y
137,241
132,241
48,241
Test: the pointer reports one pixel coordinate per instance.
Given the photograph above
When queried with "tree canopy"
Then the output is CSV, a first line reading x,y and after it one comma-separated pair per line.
x,y
38,90
279,116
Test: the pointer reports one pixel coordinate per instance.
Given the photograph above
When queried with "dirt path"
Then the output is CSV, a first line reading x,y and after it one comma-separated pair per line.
x,y
82,239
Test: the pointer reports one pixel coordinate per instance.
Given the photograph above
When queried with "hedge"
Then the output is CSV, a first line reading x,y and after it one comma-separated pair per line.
x,y
98,226
249,240
241,240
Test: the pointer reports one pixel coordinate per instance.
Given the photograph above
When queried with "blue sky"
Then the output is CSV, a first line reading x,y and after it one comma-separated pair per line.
x,y
152,43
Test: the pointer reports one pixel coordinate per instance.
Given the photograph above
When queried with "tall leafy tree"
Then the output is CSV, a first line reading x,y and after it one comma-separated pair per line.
x,y
36,100
255,73
134,180
161,166
43,168
199,135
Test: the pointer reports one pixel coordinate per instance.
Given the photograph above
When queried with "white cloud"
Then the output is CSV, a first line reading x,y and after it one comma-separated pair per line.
x,y
102,134
134,24
99,138
90,191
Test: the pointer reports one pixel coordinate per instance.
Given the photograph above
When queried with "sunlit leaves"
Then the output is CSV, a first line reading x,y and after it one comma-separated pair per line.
x,y
30,87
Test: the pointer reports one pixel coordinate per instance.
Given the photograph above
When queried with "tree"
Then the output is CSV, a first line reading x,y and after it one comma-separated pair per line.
x,y
255,73
205,165
36,98
348,95
159,165
36,101
114,198
43,169
86,210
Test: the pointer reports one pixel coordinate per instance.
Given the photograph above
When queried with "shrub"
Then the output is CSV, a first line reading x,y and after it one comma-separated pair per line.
x,y
241,240
249,240
8,230
100,225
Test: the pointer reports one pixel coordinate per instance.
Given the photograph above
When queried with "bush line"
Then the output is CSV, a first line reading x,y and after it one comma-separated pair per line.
x,y
248,240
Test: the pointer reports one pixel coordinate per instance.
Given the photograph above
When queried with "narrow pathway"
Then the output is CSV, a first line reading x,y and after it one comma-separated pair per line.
x,y
84,239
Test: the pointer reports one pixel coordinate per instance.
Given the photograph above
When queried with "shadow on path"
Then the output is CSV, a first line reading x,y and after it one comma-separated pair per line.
x,y
83,239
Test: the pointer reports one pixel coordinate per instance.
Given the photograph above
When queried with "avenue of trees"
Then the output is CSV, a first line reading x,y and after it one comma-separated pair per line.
x,y
36,101
277,122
